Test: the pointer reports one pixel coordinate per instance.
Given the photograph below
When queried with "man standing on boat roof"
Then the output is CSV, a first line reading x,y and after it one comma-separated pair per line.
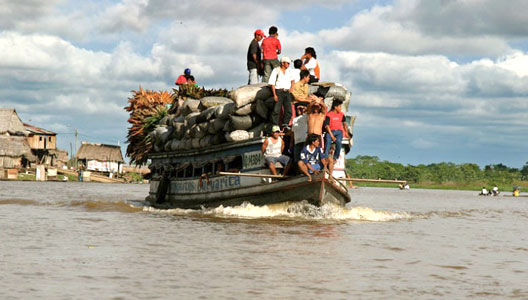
x,y
254,61
281,81
311,158
272,149
271,47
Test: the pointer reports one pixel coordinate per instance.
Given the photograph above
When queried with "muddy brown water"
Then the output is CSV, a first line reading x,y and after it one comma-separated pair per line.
x,y
100,241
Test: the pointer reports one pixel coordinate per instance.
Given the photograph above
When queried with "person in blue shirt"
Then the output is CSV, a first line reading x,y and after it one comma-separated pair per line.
x,y
311,158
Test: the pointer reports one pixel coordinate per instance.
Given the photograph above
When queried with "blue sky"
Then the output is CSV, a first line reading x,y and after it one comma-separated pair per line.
x,y
432,81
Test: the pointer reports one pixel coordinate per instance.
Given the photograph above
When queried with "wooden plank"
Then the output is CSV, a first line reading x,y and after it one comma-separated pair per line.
x,y
253,175
372,180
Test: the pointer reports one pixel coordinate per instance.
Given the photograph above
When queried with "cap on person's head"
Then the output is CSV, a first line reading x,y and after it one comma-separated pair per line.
x,y
275,128
187,71
260,32
285,59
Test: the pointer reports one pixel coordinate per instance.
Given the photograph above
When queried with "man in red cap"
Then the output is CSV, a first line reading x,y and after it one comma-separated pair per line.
x,y
254,62
271,47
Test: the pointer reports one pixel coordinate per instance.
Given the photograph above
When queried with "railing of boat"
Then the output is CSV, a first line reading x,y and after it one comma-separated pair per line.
x,y
339,183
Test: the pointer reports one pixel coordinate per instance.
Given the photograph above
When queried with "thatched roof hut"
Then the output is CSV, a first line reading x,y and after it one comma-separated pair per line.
x,y
12,150
60,155
10,123
100,152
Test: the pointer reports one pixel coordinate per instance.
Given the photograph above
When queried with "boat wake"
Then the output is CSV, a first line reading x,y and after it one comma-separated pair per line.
x,y
297,211
282,211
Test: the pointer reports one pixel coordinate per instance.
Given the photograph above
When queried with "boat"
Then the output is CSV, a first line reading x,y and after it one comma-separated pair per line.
x,y
232,174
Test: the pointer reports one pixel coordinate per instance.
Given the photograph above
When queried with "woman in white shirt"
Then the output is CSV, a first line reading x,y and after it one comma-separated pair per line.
x,y
311,64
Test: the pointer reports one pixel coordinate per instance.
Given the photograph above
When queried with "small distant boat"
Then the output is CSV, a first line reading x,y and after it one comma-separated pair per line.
x,y
196,178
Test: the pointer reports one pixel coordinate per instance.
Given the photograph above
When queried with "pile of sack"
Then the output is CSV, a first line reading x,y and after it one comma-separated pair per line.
x,y
200,123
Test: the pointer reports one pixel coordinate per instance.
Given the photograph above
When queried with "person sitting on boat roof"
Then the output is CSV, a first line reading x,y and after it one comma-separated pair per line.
x,y
311,64
311,158
191,80
272,149
300,91
182,79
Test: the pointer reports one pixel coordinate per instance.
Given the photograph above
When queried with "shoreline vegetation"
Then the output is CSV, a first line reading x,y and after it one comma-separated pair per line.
x,y
445,175
440,176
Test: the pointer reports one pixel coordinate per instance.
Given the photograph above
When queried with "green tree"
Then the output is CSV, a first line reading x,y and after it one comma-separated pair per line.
x,y
524,172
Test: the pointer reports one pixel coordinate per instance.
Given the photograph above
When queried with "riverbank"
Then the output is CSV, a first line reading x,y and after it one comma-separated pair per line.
x,y
129,177
461,186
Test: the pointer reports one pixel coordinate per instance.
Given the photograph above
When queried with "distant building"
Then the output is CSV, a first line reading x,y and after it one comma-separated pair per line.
x,y
41,139
43,144
100,157
14,148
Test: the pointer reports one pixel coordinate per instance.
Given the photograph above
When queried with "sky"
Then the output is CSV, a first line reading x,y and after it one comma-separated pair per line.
x,y
431,81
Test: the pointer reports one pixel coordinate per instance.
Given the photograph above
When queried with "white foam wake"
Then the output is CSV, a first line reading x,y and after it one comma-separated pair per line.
x,y
298,210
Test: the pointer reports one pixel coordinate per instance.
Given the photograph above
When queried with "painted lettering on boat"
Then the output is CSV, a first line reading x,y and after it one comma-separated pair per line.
x,y
215,184
253,159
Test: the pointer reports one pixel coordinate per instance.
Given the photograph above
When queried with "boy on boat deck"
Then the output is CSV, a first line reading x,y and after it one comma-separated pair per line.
x,y
311,158
336,129
272,149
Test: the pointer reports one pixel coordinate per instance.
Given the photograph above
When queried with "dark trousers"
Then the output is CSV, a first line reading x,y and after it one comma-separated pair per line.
x,y
313,79
284,101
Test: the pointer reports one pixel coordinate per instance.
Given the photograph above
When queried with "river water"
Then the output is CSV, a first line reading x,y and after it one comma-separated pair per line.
x,y
100,241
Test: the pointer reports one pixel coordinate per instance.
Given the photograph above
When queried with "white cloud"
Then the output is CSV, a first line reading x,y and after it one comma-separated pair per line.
x,y
464,18
17,13
389,29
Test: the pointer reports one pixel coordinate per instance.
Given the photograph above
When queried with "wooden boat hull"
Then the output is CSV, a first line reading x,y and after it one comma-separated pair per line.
x,y
318,192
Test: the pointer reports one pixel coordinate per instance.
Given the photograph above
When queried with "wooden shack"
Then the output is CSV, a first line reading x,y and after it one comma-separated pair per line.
x,y
41,139
43,144
14,148
100,157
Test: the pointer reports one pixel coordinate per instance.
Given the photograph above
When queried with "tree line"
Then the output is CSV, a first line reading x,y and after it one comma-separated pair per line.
x,y
364,166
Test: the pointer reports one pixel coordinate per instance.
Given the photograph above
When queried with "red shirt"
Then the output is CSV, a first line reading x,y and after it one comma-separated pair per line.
x,y
181,80
335,120
269,46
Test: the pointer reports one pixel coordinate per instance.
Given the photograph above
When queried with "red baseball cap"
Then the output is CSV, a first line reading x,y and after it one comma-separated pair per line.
x,y
260,32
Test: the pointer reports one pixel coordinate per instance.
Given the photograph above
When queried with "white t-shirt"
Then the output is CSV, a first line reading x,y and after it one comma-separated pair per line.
x,y
296,74
311,65
300,128
281,80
